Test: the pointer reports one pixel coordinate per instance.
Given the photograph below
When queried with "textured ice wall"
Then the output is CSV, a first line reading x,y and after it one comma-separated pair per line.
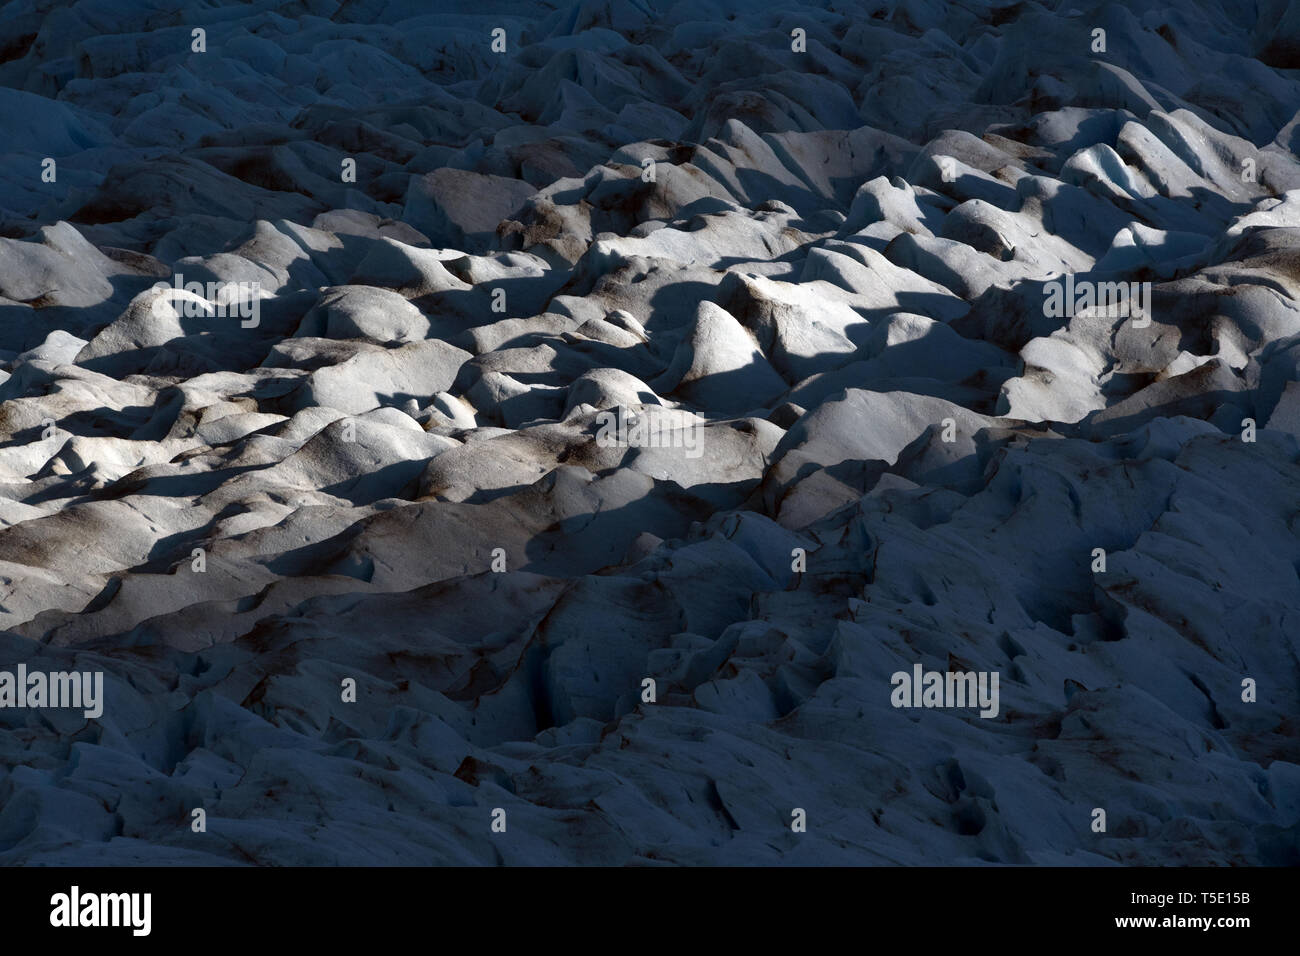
x,y
579,414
